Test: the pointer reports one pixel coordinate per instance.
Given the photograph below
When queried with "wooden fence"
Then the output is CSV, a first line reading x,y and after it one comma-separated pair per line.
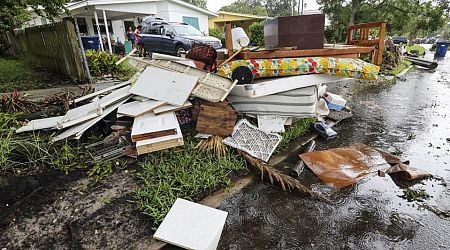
x,y
53,46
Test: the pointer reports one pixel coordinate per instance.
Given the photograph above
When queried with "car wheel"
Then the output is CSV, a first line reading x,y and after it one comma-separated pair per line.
x,y
179,50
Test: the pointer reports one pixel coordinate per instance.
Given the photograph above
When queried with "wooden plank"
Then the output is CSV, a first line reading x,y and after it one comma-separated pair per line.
x,y
329,52
366,25
216,120
379,53
152,135
228,38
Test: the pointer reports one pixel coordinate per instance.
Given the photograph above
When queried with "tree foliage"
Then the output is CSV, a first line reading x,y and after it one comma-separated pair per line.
x,y
257,33
252,7
404,17
272,8
199,3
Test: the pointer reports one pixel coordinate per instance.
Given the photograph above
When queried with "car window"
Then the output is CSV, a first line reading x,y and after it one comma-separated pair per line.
x,y
151,30
186,30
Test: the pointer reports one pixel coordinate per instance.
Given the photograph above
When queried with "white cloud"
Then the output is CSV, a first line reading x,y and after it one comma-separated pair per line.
x,y
215,5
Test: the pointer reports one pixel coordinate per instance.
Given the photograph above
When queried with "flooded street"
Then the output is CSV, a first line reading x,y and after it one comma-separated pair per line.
x,y
411,119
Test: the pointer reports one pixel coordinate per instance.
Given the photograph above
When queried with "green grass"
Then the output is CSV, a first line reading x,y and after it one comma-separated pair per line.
x,y
405,64
184,173
18,74
416,47
293,132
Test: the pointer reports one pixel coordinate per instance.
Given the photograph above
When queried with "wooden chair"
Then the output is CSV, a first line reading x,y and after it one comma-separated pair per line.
x,y
359,35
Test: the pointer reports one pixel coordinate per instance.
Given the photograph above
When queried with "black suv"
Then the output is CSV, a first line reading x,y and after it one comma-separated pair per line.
x,y
173,38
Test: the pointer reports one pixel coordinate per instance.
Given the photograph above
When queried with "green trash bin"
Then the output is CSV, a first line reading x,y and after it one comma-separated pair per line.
x,y
128,47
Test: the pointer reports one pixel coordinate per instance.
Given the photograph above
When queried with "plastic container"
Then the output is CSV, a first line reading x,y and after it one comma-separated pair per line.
x,y
128,47
441,48
334,102
90,42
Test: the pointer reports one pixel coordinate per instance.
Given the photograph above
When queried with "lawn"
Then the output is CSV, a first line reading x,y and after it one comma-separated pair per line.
x,y
416,47
19,74
399,68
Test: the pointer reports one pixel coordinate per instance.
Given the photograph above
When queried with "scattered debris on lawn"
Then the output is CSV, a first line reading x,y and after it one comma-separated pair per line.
x,y
256,106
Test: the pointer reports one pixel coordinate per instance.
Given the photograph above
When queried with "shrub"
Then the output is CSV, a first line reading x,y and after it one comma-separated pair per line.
x,y
217,33
257,33
104,63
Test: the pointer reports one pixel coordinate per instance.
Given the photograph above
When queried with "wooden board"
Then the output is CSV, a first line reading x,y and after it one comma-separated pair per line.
x,y
327,52
216,120
153,135
171,108
148,148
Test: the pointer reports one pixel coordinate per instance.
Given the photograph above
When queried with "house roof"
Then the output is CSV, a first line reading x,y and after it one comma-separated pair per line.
x,y
85,3
242,15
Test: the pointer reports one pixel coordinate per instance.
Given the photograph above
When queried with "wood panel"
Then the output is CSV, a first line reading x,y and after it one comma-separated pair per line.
x,y
53,46
216,120
329,52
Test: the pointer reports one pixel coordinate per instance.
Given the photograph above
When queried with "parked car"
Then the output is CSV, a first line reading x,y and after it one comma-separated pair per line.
x,y
400,40
173,38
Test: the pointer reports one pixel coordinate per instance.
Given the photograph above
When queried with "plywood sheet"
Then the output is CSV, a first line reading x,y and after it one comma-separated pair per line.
x,y
163,85
137,108
216,120
192,226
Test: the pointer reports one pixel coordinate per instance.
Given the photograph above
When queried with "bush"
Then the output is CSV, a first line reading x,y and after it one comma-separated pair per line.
x,y
104,63
215,33
257,33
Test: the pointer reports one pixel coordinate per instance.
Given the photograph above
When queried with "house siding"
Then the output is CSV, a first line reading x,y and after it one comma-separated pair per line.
x,y
176,13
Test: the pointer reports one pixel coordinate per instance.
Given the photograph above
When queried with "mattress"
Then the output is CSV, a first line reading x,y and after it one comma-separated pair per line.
x,y
300,102
264,87
345,67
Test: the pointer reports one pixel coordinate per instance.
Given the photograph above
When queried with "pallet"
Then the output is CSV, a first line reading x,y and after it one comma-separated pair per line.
x,y
216,120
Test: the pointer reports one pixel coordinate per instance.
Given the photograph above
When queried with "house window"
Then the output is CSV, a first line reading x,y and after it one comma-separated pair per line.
x,y
82,25
101,24
191,21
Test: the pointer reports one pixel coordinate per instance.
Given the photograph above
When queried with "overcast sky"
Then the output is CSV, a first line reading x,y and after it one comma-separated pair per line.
x,y
215,5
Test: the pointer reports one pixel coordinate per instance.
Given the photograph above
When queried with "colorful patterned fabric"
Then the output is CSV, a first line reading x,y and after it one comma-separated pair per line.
x,y
345,67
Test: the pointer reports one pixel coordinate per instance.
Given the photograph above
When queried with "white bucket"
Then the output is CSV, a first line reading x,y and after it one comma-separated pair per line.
x,y
240,38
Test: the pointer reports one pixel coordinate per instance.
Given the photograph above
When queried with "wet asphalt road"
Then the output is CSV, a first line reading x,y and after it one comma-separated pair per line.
x,y
411,118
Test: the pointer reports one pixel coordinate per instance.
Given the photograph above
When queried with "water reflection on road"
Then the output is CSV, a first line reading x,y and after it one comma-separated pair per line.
x,y
412,118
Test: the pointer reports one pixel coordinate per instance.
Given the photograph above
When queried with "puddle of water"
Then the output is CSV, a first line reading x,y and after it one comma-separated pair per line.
x,y
412,118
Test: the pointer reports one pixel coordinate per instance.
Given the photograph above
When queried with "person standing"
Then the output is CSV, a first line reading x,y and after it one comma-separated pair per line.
x,y
137,35
131,37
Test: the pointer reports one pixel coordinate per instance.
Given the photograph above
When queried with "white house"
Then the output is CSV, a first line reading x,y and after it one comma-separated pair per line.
x,y
91,15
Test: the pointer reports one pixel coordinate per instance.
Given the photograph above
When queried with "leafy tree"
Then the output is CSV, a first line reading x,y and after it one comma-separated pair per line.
x,y
411,17
277,8
199,3
257,33
14,12
252,7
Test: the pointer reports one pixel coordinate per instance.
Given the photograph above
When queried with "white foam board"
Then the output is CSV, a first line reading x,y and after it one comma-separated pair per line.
x,y
271,123
136,108
192,226
163,85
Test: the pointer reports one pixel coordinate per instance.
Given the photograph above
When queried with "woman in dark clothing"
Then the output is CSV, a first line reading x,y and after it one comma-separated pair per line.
x,y
131,37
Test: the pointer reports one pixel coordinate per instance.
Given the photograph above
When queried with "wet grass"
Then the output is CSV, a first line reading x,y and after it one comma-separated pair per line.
x,y
182,173
19,74
397,70
35,152
293,132
419,48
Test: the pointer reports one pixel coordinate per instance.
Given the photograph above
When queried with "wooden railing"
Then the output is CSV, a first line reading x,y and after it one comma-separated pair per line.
x,y
360,35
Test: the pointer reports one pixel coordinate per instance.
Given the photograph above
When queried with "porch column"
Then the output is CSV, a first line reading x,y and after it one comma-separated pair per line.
x,y
98,30
107,31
